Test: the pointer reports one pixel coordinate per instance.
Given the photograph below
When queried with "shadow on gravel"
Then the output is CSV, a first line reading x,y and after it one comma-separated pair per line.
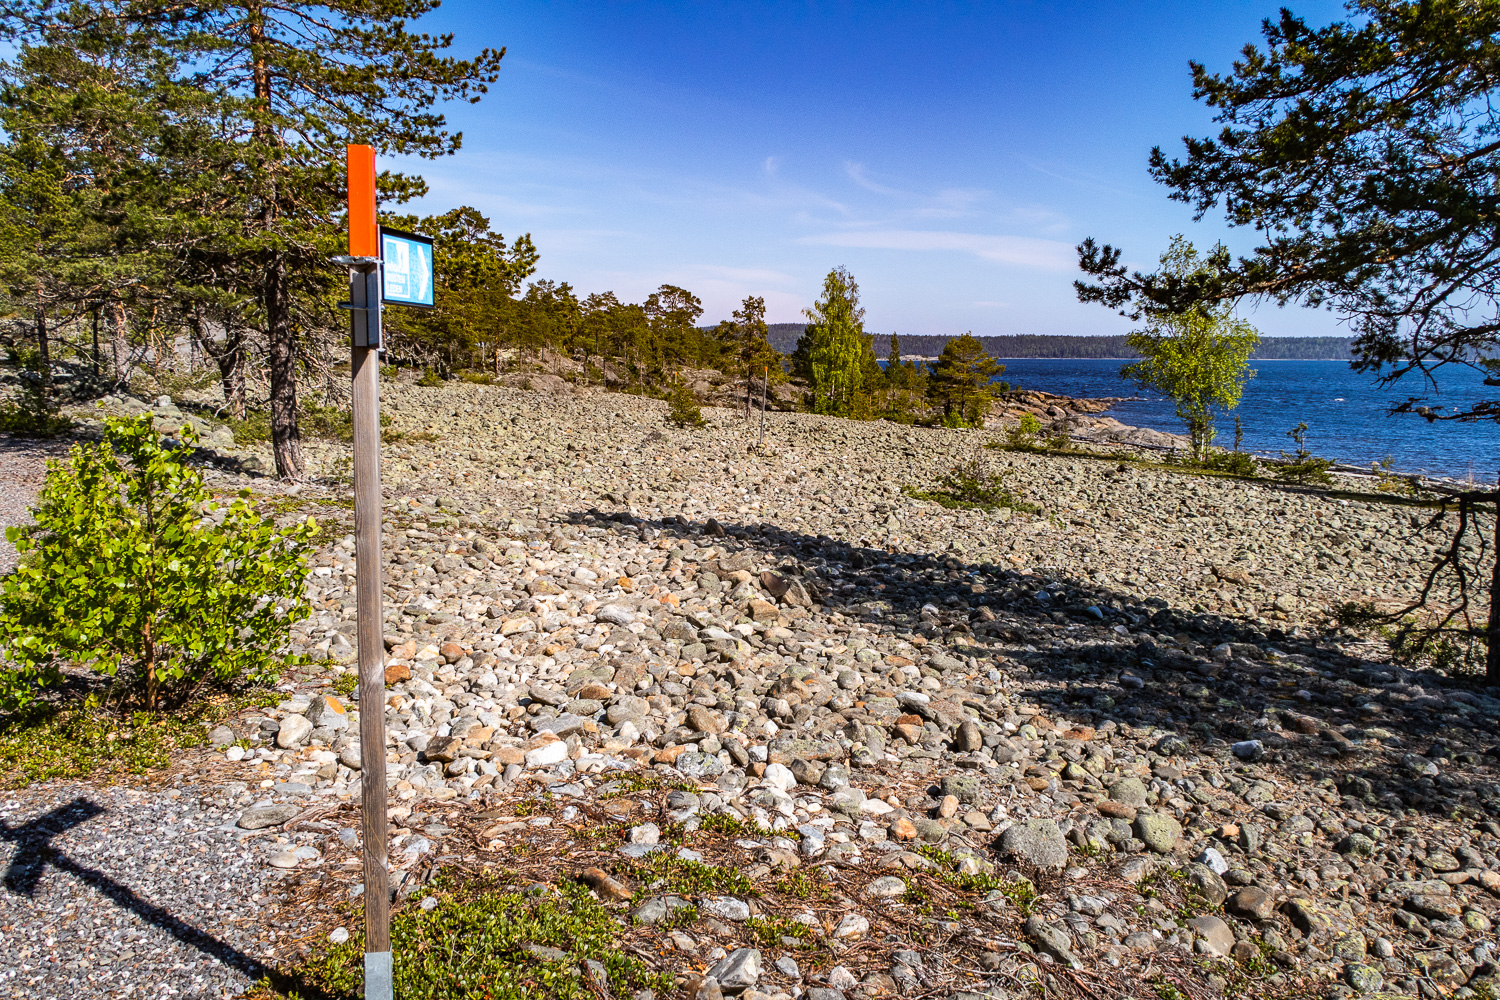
x,y
34,852
1302,705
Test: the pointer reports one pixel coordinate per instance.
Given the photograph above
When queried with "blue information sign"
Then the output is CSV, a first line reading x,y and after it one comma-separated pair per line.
x,y
406,259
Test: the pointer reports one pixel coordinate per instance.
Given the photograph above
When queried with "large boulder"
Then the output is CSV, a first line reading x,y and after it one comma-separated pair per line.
x,y
1036,842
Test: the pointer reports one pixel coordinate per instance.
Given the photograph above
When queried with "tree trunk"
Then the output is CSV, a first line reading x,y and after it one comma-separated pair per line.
x,y
286,441
96,342
230,358
1492,654
42,347
232,371
119,345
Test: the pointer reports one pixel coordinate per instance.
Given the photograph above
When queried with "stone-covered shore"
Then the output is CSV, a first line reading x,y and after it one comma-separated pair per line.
x,y
1130,701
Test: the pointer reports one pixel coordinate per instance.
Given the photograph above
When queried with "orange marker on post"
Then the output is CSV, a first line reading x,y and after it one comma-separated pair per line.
x,y
364,231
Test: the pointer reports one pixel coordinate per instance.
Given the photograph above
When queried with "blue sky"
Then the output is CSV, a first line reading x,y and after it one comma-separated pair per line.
x,y
951,155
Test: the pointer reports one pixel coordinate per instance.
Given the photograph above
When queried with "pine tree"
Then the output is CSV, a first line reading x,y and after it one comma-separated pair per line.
x,y
285,88
962,381
755,358
894,373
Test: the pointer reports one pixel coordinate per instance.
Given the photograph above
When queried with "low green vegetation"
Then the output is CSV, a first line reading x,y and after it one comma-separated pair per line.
x,y
33,414
42,743
972,486
798,883
134,571
685,409
486,939
772,932
81,739
330,423
1303,467
733,826
667,873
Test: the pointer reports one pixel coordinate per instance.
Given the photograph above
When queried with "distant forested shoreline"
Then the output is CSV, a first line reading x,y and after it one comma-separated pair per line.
x,y
783,337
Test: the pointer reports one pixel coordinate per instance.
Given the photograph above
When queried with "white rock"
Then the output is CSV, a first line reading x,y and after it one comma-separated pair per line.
x,y
875,807
853,926
613,614
234,753
1211,858
841,978
294,730
547,753
886,887
780,777
726,908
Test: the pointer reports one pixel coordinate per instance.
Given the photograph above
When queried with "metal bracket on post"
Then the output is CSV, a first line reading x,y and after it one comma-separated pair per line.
x,y
364,300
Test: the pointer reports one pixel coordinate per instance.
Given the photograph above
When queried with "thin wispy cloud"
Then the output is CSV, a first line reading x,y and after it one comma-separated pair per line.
x,y
857,173
1023,251
952,203
1081,178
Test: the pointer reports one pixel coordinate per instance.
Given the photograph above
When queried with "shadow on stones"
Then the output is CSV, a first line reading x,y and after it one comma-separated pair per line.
x,y
1299,705
34,853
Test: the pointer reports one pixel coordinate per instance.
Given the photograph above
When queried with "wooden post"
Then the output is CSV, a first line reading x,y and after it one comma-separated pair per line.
x,y
364,302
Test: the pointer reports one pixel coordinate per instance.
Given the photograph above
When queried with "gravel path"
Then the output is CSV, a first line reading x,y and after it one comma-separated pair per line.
x,y
115,892
23,466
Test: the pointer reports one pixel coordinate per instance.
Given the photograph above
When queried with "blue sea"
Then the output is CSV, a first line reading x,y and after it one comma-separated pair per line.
x,y
1345,412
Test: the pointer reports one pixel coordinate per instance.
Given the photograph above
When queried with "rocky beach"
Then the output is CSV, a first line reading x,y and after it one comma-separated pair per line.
x,y
802,734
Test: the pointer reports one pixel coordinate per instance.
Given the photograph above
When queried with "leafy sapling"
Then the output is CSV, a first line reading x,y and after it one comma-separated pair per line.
x,y
134,569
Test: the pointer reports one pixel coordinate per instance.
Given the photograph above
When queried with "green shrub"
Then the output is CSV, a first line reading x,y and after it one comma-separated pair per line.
x,y
685,411
33,415
332,423
1023,436
1310,471
1413,641
1303,467
973,487
1387,481
254,429
134,571
430,379
1236,463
